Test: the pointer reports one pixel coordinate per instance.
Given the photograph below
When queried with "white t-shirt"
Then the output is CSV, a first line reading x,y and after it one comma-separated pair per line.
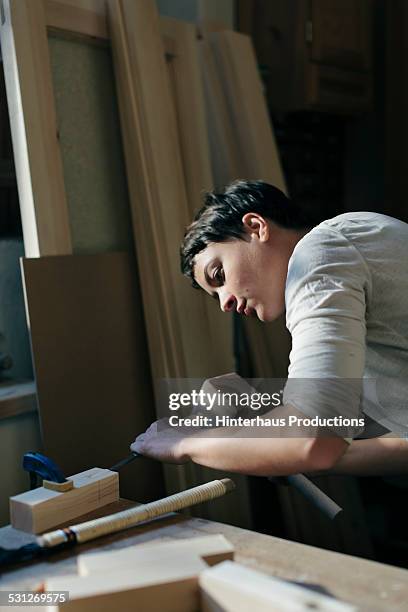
x,y
347,311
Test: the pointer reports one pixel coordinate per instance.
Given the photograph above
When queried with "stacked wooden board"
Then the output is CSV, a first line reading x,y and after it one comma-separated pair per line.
x,y
181,576
163,149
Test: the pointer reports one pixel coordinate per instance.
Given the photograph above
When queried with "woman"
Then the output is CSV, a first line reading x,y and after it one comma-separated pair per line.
x,y
344,284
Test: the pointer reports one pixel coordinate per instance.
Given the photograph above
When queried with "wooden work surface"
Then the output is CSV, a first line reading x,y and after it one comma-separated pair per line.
x,y
368,585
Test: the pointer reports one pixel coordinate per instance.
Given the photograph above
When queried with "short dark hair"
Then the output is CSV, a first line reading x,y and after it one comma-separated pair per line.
x,y
220,219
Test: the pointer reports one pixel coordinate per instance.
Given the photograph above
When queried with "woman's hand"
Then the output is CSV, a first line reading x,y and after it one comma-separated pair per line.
x,y
162,442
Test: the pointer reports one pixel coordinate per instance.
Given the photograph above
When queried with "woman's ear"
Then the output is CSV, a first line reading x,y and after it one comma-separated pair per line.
x,y
257,225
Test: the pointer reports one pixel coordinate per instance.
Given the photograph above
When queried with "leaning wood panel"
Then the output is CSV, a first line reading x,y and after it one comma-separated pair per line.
x,y
91,364
177,318
217,347
237,67
186,84
154,174
249,133
182,58
38,164
224,151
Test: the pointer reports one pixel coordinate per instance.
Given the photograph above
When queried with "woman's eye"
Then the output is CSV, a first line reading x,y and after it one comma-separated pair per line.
x,y
219,275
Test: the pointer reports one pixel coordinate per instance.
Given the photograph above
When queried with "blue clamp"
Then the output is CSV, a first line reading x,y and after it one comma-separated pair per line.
x,y
40,466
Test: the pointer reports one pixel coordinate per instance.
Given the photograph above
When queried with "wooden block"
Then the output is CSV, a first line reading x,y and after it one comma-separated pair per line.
x,y
41,509
232,587
153,585
212,549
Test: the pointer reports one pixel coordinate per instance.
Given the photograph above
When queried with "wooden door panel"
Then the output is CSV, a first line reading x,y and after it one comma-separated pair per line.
x,y
341,33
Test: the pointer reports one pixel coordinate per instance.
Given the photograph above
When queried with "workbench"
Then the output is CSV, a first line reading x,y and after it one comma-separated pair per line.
x,y
368,585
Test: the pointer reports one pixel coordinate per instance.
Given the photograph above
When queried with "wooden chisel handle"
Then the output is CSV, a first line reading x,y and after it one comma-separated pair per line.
x,y
316,496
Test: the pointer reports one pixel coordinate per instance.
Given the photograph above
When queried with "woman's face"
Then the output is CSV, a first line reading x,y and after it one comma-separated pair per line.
x,y
249,275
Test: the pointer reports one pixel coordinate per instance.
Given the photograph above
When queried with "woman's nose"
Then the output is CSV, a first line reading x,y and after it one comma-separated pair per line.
x,y
228,303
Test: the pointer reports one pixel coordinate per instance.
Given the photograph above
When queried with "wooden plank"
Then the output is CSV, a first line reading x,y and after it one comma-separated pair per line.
x,y
152,585
17,398
65,16
190,110
245,129
216,341
243,90
185,77
37,156
189,102
224,152
158,195
231,587
91,364
147,124
176,316
212,549
41,509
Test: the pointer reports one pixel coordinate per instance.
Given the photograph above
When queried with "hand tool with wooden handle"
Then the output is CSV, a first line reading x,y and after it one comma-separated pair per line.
x,y
83,532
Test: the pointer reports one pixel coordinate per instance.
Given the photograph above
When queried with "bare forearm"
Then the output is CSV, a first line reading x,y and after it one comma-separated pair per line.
x,y
246,450
262,456
252,456
374,457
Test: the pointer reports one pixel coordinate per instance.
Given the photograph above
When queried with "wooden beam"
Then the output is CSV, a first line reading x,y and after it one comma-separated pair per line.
x,y
235,59
224,152
41,509
154,172
244,147
212,549
176,316
37,156
153,585
232,587
190,109
188,92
